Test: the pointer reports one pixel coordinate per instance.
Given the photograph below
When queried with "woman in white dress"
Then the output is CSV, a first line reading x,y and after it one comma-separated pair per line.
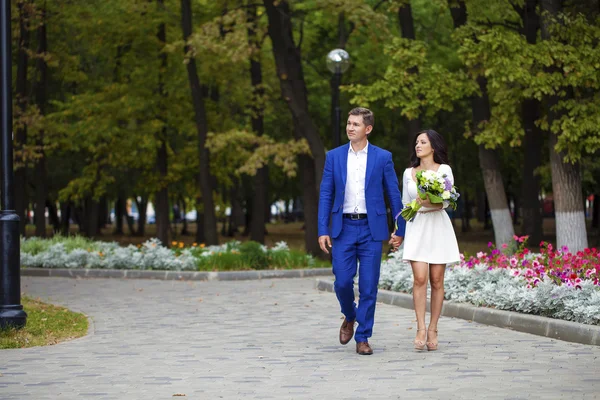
x,y
430,241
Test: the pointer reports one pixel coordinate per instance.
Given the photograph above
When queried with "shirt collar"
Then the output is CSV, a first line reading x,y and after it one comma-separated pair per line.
x,y
365,150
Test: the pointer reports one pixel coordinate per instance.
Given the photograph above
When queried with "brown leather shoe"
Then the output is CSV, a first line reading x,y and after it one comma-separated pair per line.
x,y
346,331
364,349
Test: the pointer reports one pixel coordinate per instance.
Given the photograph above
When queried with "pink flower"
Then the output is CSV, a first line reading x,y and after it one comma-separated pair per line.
x,y
481,254
490,244
515,272
504,246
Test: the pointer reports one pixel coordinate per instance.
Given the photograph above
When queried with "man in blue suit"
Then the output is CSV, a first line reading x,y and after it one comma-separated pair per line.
x,y
355,179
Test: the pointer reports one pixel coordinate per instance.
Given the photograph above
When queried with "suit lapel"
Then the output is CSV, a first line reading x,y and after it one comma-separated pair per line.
x,y
371,160
344,161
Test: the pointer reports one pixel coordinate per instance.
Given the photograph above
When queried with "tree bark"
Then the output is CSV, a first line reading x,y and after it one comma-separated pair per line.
x,y
65,218
567,189
288,63
261,179
41,99
200,237
531,209
53,215
40,198
311,205
22,102
142,206
161,197
204,178
531,206
488,158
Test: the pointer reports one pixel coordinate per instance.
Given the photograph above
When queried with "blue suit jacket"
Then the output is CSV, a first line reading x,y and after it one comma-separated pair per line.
x,y
380,180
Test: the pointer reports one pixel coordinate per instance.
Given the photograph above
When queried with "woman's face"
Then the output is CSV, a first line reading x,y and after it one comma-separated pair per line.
x,y
423,146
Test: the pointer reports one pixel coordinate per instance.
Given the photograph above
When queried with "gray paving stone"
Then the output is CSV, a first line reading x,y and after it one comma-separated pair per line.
x,y
275,339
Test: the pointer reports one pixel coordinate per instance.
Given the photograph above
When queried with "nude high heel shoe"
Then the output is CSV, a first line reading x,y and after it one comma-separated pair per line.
x,y
432,346
419,344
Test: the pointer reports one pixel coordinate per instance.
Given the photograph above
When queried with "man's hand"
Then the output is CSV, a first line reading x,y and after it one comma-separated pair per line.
x,y
395,242
324,242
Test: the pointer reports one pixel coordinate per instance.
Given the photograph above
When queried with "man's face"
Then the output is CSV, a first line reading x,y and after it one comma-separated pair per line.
x,y
356,129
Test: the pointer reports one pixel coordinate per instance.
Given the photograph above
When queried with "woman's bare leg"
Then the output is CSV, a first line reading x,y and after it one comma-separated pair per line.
x,y
436,279
420,272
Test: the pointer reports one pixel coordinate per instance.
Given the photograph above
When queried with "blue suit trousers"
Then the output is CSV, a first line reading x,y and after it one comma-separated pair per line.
x,y
355,243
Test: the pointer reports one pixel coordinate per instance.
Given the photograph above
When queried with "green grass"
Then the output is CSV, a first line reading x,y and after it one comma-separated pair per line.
x,y
37,245
46,325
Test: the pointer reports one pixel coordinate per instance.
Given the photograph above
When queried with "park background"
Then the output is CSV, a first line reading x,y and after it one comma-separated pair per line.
x,y
131,115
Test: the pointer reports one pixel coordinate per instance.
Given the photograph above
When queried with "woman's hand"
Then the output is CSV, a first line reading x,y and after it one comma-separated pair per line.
x,y
427,203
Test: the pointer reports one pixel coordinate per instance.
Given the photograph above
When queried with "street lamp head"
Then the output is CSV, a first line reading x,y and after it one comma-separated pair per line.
x,y
338,60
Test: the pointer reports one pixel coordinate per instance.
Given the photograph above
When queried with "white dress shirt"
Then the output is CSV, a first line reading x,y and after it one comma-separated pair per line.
x,y
354,197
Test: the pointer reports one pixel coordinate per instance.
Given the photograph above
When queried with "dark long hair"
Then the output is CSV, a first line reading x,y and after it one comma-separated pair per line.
x,y
440,151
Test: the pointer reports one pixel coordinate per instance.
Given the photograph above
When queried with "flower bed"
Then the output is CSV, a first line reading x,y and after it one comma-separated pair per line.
x,y
78,252
552,283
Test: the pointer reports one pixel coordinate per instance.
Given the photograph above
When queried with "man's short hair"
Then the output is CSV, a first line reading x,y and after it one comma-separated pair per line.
x,y
367,115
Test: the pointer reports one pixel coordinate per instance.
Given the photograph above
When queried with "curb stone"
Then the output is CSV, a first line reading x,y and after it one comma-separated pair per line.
x,y
534,324
175,275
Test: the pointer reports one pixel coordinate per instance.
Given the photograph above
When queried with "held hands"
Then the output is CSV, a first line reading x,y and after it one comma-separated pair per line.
x,y
324,243
395,241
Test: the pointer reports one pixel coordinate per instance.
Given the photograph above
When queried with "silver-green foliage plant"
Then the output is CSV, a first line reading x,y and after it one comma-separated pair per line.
x,y
77,252
498,288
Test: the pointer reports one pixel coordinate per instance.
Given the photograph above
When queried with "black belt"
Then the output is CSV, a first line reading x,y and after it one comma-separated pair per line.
x,y
355,216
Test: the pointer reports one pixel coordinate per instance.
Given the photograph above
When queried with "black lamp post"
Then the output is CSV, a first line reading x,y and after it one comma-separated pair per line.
x,y
11,310
338,61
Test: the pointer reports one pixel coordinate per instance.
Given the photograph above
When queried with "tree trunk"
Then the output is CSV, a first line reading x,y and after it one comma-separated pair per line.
x,y
161,197
200,237
65,217
204,178
161,206
567,190
22,101
142,206
41,99
488,158
53,215
40,198
531,208
310,203
261,179
288,62
407,28
568,201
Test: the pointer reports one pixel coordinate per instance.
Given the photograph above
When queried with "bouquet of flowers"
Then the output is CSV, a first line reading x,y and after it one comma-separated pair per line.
x,y
434,185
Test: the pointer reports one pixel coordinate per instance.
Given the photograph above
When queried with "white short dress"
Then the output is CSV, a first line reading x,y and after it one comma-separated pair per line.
x,y
430,236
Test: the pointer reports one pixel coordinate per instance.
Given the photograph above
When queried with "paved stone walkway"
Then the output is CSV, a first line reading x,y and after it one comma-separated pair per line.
x,y
275,339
